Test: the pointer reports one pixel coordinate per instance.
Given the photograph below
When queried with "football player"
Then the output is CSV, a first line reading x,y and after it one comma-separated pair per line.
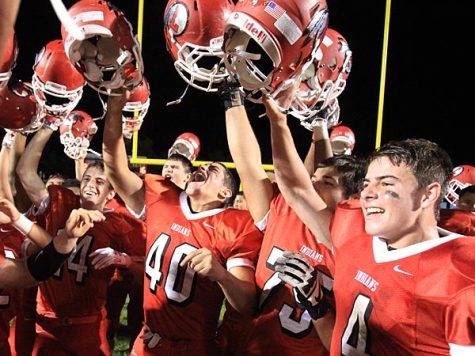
x,y
281,326
401,285
71,305
197,250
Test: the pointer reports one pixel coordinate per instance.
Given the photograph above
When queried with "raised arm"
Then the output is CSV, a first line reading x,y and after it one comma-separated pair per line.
x,y
5,181
27,168
293,179
320,148
125,182
246,155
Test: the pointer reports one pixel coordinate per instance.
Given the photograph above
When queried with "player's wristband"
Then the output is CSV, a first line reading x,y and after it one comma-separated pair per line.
x,y
23,224
231,94
321,133
234,99
44,263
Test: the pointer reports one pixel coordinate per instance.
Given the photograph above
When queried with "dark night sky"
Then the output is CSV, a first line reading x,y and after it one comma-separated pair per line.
x,y
427,76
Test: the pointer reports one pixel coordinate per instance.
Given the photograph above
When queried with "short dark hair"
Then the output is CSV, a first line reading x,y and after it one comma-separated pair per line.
x,y
72,183
230,183
426,159
56,175
96,164
180,158
352,170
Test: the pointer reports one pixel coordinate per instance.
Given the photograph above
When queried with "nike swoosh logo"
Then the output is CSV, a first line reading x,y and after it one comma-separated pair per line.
x,y
208,225
5,230
397,269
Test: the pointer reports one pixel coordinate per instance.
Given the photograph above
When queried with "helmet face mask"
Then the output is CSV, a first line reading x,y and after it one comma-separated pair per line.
x,y
76,133
57,85
463,176
324,79
194,36
133,115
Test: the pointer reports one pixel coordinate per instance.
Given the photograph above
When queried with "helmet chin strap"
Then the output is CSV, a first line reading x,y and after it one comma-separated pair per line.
x,y
178,101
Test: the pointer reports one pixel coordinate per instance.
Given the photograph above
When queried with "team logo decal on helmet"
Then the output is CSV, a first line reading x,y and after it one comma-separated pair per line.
x,y
176,18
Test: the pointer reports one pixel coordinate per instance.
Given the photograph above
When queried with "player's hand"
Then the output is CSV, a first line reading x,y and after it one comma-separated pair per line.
x,y
205,264
273,112
8,212
231,93
106,256
305,280
80,221
285,98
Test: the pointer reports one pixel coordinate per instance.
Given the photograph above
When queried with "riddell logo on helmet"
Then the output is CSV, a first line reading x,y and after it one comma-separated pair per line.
x,y
255,30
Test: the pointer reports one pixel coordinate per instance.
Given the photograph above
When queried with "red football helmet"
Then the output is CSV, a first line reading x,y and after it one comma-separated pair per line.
x,y
194,36
342,140
462,177
76,133
57,85
9,59
187,144
325,79
267,43
135,109
18,108
110,52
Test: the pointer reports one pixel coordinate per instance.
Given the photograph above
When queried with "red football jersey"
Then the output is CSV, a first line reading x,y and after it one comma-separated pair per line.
x,y
414,300
280,327
458,221
77,289
10,246
138,234
178,304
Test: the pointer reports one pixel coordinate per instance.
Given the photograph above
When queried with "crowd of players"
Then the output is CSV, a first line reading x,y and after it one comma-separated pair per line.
x,y
334,254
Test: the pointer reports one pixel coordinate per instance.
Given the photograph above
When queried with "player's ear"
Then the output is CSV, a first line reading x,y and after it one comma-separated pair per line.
x,y
110,195
225,193
431,195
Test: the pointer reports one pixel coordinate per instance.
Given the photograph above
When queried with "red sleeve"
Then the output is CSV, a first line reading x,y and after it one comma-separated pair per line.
x,y
460,319
243,239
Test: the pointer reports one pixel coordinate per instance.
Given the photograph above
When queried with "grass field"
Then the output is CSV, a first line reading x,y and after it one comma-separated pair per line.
x,y
121,347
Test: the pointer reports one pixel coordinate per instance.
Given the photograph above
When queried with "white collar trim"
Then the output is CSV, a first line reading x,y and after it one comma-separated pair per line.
x,y
185,208
382,254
